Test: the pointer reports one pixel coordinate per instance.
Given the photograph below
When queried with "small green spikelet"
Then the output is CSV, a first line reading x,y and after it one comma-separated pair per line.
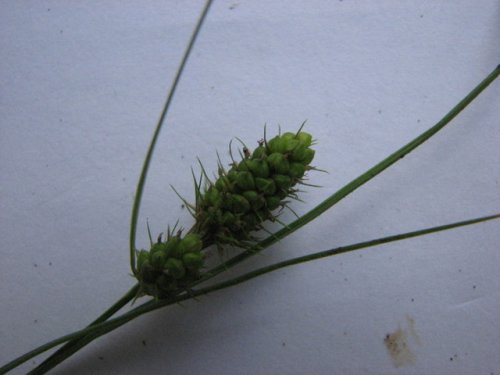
x,y
169,266
245,196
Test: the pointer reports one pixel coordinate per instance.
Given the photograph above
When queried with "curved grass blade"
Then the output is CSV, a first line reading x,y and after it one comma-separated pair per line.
x,y
149,154
144,171
127,297
357,182
89,334
353,185
346,249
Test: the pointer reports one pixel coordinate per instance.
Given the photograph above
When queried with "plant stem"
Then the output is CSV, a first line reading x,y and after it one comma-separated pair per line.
x,y
318,210
149,155
89,334
357,182
142,179
345,249
127,297
72,338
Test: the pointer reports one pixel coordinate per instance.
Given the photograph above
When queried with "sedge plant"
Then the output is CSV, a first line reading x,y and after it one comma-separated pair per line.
x,y
231,209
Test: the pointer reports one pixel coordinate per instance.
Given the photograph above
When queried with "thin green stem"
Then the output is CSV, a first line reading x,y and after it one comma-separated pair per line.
x,y
357,182
345,249
49,345
52,362
152,305
67,348
329,202
93,332
73,338
149,155
353,185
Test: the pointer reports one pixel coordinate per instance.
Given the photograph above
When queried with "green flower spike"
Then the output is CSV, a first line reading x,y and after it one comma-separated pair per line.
x,y
169,265
245,196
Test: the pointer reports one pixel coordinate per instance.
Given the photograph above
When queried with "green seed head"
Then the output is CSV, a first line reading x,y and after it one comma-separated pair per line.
x,y
297,170
159,246
288,136
158,258
251,196
213,197
232,175
291,144
228,219
174,268
263,214
193,261
223,183
309,156
259,153
147,272
282,194
277,145
282,181
305,138
250,221
173,248
190,243
170,265
245,181
170,245
245,196
278,163
239,204
265,185
255,199
142,257
273,203
258,167
299,153
164,283
213,214
243,166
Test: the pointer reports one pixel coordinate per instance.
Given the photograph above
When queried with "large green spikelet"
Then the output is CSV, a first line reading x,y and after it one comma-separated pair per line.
x,y
227,211
245,196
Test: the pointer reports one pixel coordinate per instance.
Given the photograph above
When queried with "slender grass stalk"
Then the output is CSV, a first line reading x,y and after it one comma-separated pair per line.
x,y
290,228
102,325
144,171
358,181
346,249
127,297
91,333
147,161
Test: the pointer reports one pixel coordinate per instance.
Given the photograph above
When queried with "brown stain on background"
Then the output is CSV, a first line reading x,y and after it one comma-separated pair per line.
x,y
411,327
397,344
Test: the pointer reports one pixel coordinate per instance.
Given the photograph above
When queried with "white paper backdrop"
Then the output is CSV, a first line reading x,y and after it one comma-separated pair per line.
x,y
81,87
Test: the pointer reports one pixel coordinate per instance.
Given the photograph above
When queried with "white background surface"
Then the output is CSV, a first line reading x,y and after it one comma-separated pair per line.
x,y
81,87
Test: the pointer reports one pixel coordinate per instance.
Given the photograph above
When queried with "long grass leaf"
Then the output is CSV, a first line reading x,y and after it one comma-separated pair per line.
x,y
147,161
